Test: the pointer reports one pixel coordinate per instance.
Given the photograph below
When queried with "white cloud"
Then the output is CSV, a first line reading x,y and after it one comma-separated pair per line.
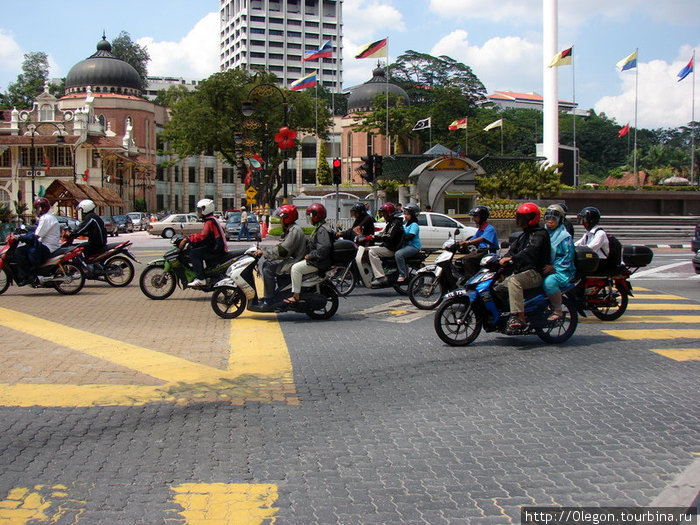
x,y
11,57
662,101
196,55
498,62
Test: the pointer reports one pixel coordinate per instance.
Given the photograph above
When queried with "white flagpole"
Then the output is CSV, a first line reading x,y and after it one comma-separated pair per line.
x,y
386,91
466,139
501,137
573,89
692,128
636,84
316,97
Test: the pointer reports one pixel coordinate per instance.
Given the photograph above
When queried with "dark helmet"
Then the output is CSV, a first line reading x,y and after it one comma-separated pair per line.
x,y
43,204
527,214
564,207
413,209
480,211
556,211
317,212
359,208
589,214
388,208
288,213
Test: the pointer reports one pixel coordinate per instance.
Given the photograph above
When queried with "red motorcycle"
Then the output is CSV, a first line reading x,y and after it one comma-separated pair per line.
x,y
60,271
111,265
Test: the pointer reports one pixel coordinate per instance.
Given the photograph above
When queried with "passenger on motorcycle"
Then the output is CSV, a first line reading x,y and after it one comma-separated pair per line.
x,y
528,254
595,237
91,226
411,239
39,244
280,258
207,245
363,224
485,239
567,223
561,269
320,250
386,242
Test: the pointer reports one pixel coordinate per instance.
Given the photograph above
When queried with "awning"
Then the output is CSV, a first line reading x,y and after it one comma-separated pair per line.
x,y
69,194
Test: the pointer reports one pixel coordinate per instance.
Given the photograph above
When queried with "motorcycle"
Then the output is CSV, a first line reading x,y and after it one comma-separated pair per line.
x,y
344,273
318,297
464,312
61,270
161,276
364,269
111,265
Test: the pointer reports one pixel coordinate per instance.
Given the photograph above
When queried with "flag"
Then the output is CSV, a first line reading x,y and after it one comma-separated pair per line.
x,y
629,62
325,51
496,124
458,124
303,83
375,49
562,59
623,131
687,70
422,124
47,161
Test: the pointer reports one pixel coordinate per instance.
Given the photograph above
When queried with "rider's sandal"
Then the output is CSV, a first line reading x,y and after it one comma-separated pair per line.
x,y
515,324
555,316
290,300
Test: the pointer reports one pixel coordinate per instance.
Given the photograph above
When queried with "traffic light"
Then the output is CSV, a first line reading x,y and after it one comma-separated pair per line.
x,y
368,168
378,166
336,172
241,169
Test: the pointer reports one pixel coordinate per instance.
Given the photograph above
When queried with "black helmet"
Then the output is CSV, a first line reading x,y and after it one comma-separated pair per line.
x,y
589,214
413,209
480,211
359,208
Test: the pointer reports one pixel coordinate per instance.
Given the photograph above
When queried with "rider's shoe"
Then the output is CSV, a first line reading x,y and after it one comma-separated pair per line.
x,y
197,283
379,282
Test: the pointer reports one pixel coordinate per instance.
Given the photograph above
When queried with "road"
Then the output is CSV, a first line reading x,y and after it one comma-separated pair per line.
x,y
118,409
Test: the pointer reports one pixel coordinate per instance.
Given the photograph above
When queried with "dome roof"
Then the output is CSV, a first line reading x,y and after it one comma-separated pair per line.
x,y
360,99
104,73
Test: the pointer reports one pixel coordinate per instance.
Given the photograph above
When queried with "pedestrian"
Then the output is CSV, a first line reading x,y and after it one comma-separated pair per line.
x,y
244,226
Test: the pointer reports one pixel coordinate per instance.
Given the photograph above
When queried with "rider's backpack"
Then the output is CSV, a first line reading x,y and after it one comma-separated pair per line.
x,y
614,258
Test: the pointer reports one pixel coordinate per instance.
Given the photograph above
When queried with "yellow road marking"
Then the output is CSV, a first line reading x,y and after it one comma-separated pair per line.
x,y
648,319
662,306
661,333
659,296
226,503
680,354
47,504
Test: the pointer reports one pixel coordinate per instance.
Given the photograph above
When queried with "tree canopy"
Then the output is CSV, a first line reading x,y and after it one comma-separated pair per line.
x,y
30,83
133,54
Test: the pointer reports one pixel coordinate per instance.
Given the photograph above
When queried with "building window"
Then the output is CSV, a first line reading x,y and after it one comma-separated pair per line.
x,y
192,174
308,177
460,205
5,159
228,176
308,149
209,175
257,31
46,113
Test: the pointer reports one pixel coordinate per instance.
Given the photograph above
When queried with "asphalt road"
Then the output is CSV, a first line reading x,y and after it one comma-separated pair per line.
x,y
118,409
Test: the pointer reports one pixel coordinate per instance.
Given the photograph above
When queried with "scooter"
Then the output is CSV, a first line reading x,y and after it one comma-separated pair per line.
x,y
318,298
413,264
161,276
61,270
433,281
464,312
111,265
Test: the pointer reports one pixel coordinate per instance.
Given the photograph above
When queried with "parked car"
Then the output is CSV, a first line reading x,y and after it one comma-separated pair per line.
x,y
182,223
233,226
139,219
696,262
110,225
695,242
436,228
124,224
67,223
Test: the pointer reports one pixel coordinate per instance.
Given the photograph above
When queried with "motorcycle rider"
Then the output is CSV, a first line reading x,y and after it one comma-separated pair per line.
x,y
280,258
485,239
528,254
207,245
594,237
320,250
362,225
561,269
91,226
39,244
386,242
412,244
566,222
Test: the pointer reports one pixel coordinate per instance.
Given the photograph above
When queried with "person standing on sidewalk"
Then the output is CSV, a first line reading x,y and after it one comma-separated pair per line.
x,y
244,226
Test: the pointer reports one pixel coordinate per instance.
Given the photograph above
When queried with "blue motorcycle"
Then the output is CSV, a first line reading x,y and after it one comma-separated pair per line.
x,y
464,312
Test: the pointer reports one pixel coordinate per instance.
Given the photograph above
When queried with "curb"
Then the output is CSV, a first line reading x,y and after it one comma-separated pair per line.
x,y
684,491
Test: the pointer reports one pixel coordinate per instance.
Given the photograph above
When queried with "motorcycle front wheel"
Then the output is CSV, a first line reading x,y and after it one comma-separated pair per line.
x,y
329,308
563,328
456,322
4,281
70,279
614,299
228,303
425,291
119,271
156,283
343,278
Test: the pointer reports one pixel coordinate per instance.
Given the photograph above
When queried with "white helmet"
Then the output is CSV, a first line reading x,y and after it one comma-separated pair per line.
x,y
205,207
86,206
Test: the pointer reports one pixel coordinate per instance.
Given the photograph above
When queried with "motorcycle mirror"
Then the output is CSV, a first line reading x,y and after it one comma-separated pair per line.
x,y
505,244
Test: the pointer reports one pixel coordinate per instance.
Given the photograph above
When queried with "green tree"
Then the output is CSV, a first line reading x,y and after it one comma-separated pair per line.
x,y
323,170
30,83
528,181
168,97
133,54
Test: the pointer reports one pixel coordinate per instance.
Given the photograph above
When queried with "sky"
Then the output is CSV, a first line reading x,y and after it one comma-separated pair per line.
x,y
501,41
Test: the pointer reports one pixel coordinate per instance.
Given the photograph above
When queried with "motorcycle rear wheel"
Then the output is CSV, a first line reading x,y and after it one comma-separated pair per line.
x,y
330,308
4,281
228,303
610,313
425,291
73,279
456,322
562,329
119,271
156,283
343,278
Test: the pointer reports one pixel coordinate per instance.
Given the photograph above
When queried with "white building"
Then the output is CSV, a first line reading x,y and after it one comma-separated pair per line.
x,y
275,34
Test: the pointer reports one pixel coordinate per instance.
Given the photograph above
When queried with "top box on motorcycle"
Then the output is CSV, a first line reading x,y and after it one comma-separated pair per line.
x,y
343,251
636,256
586,259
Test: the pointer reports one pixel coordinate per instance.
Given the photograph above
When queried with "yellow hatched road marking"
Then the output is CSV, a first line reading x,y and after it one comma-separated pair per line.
x,y
648,319
226,503
659,296
660,333
40,504
679,354
662,306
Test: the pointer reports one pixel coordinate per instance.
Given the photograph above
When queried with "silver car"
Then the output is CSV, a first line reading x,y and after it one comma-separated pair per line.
x,y
139,219
182,223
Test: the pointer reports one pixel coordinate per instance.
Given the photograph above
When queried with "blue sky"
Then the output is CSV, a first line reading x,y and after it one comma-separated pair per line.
x,y
501,41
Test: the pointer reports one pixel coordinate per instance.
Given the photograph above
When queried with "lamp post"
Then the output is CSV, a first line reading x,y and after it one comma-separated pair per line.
x,y
32,157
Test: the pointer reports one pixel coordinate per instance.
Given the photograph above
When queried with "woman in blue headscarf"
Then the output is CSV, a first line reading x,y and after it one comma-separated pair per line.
x,y
562,268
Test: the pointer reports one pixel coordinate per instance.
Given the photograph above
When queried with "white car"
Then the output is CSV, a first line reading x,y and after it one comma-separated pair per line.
x,y
436,228
182,223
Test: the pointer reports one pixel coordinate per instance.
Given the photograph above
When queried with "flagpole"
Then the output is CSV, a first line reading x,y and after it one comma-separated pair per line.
x,y
573,89
692,128
386,91
501,138
466,139
316,108
636,84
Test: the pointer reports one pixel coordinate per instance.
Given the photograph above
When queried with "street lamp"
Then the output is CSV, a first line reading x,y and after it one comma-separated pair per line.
x,y
32,158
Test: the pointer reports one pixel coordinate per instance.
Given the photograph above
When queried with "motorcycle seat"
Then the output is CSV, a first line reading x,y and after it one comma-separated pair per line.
x,y
61,250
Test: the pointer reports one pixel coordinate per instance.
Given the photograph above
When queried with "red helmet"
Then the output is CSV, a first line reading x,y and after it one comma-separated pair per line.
x,y
288,213
317,212
43,204
388,208
527,214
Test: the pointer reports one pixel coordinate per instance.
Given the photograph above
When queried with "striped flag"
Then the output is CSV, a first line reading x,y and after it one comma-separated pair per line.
x,y
303,83
629,62
422,124
458,124
562,59
495,124
687,70
325,51
375,49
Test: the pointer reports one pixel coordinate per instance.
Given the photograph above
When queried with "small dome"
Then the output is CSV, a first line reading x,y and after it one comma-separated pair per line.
x,y
104,73
360,99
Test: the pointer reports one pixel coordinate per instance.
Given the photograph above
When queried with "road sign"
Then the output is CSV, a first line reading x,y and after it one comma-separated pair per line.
x,y
251,192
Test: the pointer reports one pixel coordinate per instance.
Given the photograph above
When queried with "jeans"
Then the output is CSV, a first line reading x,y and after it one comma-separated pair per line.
x,y
198,256
401,256
244,229
269,277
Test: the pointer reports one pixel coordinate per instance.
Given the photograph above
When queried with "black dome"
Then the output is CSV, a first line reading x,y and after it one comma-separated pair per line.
x,y
104,72
360,99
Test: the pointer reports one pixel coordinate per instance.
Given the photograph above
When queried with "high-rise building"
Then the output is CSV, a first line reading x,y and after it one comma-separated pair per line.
x,y
276,34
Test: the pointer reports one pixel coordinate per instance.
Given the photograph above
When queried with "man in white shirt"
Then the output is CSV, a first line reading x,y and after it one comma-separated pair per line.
x,y
38,245
595,237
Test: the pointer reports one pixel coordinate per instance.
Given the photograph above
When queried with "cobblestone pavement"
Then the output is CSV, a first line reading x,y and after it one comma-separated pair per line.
x,y
133,411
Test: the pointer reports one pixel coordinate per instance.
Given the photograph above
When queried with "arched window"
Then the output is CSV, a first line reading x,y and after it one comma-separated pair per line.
x,y
46,113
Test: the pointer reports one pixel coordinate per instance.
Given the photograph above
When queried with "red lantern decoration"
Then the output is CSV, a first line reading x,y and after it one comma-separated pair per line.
x,y
85,174
285,138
